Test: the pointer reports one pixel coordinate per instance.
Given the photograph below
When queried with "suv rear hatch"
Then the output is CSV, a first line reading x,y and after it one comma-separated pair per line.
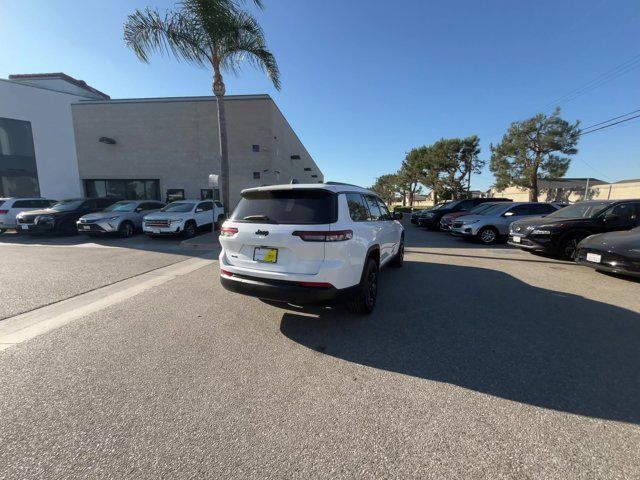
x,y
280,230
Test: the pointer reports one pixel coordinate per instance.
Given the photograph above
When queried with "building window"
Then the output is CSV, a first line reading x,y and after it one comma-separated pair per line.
x,y
175,194
256,148
128,189
18,170
206,194
256,175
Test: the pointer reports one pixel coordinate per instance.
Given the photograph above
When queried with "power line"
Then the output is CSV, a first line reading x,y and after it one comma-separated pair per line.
x,y
611,119
609,125
606,77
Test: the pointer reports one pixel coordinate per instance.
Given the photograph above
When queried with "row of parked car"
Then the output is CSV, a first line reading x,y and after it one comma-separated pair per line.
x,y
602,234
108,216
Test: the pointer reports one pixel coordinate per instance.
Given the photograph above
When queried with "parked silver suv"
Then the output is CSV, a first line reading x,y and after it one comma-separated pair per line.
x,y
123,217
493,224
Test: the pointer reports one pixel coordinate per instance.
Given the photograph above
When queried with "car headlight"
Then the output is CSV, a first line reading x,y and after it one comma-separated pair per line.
x,y
177,220
43,219
111,219
541,232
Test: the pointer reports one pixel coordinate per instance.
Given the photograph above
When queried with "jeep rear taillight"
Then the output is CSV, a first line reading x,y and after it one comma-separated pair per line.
x,y
228,231
324,236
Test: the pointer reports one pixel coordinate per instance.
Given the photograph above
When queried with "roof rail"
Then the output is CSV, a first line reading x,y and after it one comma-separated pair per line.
x,y
346,184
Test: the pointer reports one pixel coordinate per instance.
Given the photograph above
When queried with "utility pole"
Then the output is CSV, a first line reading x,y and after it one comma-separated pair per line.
x,y
586,190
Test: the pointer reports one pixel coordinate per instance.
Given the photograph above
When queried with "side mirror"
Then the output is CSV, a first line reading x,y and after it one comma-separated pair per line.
x,y
397,216
508,214
198,210
139,209
612,217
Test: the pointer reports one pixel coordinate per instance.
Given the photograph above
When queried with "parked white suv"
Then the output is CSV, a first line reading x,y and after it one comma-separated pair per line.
x,y
11,207
183,217
310,243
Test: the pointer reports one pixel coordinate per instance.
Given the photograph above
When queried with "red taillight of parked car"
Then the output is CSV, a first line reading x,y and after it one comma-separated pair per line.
x,y
228,231
323,236
4,212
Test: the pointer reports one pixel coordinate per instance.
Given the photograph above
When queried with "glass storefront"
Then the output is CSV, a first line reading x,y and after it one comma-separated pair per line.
x,y
128,189
18,170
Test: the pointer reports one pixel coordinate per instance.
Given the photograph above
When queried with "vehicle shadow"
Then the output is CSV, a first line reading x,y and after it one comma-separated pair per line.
x,y
489,332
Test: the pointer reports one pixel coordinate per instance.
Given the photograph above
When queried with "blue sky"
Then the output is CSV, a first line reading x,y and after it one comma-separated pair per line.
x,y
364,81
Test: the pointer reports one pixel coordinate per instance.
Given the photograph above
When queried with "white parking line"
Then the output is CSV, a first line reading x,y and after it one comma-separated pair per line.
x,y
23,327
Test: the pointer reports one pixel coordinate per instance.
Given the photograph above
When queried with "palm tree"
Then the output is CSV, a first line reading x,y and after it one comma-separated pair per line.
x,y
214,34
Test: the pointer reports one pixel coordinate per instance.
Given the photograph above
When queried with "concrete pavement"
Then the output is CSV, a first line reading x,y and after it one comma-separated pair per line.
x,y
478,363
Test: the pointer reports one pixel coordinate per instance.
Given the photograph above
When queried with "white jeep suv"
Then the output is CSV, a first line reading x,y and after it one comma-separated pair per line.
x,y
310,243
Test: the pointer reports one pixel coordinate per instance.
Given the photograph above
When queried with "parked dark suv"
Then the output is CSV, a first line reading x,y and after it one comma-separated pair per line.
x,y
61,217
431,218
560,232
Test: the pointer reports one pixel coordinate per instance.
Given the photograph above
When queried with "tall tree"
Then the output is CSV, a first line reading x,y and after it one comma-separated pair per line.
x,y
216,34
387,187
539,147
411,172
455,159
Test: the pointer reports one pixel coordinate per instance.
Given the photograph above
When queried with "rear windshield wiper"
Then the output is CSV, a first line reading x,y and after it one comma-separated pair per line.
x,y
258,218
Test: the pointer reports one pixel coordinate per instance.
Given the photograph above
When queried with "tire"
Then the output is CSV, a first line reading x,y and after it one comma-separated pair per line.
x,y
364,301
398,259
568,245
189,230
488,235
126,229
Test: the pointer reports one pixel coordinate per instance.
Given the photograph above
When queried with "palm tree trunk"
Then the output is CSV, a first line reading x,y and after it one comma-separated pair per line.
x,y
219,91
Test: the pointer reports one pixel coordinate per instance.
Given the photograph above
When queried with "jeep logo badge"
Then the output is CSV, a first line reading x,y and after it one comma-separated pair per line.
x,y
262,232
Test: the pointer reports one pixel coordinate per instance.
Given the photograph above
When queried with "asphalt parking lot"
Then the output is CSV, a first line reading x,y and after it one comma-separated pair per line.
x,y
477,363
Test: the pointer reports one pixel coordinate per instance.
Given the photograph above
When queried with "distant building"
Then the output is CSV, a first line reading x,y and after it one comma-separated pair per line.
x,y
570,190
61,138
37,147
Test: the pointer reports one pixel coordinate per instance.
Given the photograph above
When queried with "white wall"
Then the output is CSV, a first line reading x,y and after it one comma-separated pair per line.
x,y
52,127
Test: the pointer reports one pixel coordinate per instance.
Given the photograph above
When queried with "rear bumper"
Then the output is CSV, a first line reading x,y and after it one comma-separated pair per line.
x,y
284,291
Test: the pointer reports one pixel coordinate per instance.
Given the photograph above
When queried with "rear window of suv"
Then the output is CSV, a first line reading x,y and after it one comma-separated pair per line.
x,y
296,206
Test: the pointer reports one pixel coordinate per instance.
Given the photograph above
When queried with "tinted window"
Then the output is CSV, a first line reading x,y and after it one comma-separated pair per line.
x,y
206,206
520,210
358,210
376,214
466,205
542,209
218,204
581,210
384,210
627,213
23,204
67,205
105,202
121,207
296,206
89,205
179,207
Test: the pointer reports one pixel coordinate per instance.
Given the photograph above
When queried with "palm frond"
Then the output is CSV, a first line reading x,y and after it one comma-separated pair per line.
x,y
148,31
246,41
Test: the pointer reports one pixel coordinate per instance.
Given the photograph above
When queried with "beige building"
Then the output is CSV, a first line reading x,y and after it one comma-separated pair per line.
x,y
166,148
571,190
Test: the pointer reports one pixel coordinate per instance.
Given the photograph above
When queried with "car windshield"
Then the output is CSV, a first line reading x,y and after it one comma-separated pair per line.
x,y
121,207
297,206
493,209
481,208
580,210
180,207
67,205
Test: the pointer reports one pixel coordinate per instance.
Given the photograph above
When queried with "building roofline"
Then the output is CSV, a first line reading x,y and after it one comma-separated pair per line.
x,y
62,76
172,99
40,87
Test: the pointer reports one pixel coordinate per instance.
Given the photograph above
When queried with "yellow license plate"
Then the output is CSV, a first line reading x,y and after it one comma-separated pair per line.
x,y
265,255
